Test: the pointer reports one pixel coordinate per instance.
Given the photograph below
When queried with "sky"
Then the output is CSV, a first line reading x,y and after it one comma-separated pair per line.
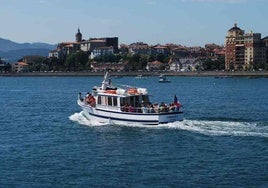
x,y
185,22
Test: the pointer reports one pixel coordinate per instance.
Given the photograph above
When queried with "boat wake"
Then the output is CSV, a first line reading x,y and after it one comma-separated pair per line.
x,y
83,120
205,127
221,128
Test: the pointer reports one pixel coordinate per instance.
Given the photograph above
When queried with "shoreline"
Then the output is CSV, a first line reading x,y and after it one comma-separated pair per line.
x,y
190,74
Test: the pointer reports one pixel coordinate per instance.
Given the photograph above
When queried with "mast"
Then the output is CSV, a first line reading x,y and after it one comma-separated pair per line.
x,y
105,81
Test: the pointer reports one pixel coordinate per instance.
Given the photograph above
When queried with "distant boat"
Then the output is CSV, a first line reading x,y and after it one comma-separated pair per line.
x,y
163,79
140,76
131,105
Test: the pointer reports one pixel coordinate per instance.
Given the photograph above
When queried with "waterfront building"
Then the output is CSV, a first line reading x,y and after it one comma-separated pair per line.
x,y
114,66
244,50
65,48
190,64
154,65
174,64
159,49
139,48
85,45
56,53
100,51
180,51
123,49
20,67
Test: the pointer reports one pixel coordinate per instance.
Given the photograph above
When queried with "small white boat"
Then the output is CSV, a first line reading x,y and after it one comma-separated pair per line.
x,y
140,76
130,105
163,79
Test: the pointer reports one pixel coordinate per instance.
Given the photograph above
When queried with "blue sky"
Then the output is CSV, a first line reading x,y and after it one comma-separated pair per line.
x,y
185,22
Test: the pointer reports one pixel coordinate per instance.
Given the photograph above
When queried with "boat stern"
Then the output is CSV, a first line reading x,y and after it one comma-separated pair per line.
x,y
170,117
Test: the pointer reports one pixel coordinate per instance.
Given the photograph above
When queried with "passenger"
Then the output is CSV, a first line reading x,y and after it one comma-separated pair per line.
x,y
131,109
144,109
88,98
92,102
172,107
126,107
156,108
165,108
152,110
161,107
177,106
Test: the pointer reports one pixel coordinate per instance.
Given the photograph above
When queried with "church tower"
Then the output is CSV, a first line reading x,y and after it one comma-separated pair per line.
x,y
78,36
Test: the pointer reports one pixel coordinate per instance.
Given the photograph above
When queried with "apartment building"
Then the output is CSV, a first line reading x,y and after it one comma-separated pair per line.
x,y
244,50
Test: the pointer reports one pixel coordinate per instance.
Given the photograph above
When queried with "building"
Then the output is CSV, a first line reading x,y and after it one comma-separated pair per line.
x,y
100,67
154,65
100,51
159,49
78,36
65,48
190,64
244,50
93,43
139,48
20,67
174,64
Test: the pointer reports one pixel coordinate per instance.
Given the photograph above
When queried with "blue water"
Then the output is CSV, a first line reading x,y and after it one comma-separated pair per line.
x,y
45,141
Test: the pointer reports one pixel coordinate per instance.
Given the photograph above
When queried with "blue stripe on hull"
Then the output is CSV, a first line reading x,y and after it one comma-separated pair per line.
x,y
141,114
151,122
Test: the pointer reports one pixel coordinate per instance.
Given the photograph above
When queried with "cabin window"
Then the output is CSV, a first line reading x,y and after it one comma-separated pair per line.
x,y
115,101
145,99
99,99
132,101
137,101
110,101
122,101
103,100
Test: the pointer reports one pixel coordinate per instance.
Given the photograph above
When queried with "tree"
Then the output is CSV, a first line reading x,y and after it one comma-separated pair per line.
x,y
210,64
70,62
81,59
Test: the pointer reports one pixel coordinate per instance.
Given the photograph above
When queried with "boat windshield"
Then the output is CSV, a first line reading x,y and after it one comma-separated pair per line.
x,y
135,100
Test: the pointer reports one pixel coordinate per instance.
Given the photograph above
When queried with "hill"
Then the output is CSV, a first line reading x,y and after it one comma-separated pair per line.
x,y
11,51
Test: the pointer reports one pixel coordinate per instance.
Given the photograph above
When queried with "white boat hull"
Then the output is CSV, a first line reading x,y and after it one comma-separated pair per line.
x,y
118,117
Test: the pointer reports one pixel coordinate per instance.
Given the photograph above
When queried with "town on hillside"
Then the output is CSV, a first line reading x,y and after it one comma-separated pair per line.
x,y
242,52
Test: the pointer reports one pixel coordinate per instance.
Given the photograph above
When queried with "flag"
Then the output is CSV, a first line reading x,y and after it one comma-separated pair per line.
x,y
175,99
176,102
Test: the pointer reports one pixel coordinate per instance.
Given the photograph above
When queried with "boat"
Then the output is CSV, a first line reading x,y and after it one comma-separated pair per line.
x,y
163,79
124,104
140,76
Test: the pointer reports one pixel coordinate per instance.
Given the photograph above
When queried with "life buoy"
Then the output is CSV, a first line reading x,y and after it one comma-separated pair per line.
x,y
132,91
110,91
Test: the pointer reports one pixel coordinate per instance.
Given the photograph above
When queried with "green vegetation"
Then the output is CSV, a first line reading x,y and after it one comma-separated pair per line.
x,y
80,61
211,65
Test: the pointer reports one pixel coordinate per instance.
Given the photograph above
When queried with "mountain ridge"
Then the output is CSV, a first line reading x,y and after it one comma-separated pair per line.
x,y
12,51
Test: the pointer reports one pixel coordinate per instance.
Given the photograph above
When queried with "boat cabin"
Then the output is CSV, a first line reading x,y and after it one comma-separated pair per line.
x,y
128,101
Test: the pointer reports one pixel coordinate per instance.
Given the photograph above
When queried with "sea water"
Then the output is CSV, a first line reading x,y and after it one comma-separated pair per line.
x,y
45,140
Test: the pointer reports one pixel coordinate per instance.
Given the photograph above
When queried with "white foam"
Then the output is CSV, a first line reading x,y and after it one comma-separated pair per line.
x,y
83,120
210,128
220,128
